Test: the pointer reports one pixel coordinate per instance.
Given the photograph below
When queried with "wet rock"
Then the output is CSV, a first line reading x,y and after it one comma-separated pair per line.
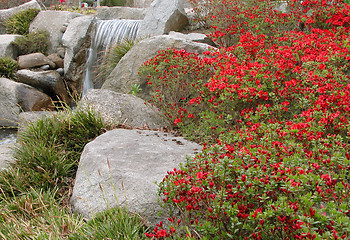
x,y
50,82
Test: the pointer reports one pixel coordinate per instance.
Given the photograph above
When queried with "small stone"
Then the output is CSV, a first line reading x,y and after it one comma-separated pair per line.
x,y
45,67
60,71
56,59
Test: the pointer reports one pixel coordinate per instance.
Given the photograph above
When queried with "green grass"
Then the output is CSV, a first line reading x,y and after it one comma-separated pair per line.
x,y
114,223
37,215
48,151
35,189
19,23
32,42
8,67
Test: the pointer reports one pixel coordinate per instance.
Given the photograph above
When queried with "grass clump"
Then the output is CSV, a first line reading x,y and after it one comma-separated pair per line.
x,y
35,189
30,216
48,151
19,22
33,43
114,223
8,67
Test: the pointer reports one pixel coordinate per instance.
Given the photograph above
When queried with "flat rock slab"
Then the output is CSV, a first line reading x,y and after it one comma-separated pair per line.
x,y
123,167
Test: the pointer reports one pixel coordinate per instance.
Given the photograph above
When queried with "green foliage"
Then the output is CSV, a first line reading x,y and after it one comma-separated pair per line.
x,y
114,223
8,67
19,22
48,151
33,43
111,3
30,216
109,61
135,89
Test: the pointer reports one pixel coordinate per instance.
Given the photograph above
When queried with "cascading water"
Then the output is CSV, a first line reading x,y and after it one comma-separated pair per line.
x,y
107,33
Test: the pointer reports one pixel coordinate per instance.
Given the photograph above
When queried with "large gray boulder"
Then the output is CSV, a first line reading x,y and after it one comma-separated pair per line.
x,y
7,49
50,82
76,41
53,22
33,60
16,97
162,17
117,108
107,13
5,14
125,74
121,167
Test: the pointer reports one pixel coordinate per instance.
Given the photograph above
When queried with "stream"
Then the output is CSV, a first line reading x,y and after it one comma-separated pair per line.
x,y
7,135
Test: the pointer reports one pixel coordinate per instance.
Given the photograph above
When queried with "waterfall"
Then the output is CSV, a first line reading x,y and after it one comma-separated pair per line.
x,y
107,33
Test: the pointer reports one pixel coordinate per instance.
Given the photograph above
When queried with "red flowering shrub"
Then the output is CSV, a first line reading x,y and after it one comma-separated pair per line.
x,y
263,17
265,181
177,79
277,107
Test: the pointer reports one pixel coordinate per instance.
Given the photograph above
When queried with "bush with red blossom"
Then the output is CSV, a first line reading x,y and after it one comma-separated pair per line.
x,y
273,112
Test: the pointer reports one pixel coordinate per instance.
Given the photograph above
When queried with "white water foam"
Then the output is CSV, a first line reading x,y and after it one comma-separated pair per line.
x,y
7,136
107,33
